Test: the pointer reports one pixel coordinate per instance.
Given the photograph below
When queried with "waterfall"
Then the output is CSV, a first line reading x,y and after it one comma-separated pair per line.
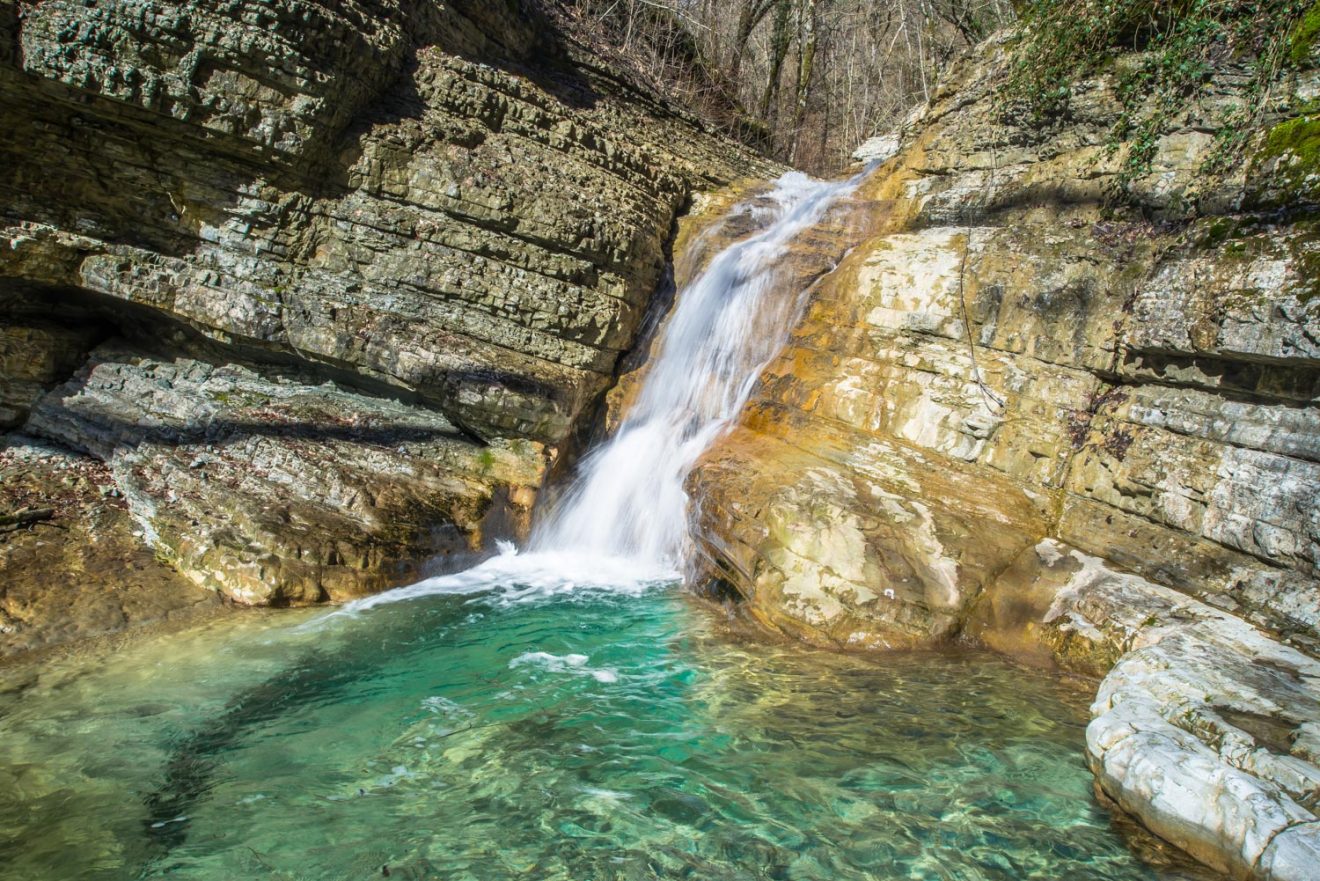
x,y
622,524
628,499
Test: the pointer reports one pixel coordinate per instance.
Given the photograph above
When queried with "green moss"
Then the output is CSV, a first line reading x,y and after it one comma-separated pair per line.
x,y
1294,147
166,557
239,399
1299,137
1220,230
1302,38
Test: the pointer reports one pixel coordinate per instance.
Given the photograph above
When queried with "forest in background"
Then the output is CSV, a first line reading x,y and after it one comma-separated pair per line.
x,y
802,80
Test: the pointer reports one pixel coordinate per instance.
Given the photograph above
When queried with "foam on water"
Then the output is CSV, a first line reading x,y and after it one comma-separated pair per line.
x,y
549,715
513,576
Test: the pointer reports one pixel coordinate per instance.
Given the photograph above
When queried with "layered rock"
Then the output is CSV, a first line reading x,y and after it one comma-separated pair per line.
x,y
65,518
371,264
1000,360
1004,359
1205,728
272,488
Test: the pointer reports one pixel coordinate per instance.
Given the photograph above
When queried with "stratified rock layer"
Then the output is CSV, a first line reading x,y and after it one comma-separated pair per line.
x,y
83,535
365,266
999,361
1204,727
996,362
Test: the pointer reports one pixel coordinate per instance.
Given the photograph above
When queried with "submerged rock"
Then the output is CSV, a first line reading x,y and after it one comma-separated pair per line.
x,y
1205,728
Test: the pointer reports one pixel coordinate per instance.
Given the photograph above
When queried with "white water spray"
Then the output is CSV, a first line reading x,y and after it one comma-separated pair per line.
x,y
628,500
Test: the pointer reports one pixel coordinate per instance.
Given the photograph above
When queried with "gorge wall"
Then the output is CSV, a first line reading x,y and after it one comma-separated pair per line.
x,y
295,296
1085,435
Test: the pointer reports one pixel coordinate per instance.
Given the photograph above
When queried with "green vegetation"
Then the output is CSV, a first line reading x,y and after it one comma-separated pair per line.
x,y
1289,153
1220,230
1173,47
1301,42
1299,137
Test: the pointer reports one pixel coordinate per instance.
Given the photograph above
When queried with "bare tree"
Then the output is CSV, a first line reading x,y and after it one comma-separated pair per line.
x,y
806,80
806,58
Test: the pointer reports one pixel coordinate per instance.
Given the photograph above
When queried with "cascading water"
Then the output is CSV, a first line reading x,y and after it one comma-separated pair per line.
x,y
622,524
628,500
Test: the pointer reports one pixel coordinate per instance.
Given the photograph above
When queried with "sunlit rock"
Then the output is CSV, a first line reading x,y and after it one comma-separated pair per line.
x,y
1005,356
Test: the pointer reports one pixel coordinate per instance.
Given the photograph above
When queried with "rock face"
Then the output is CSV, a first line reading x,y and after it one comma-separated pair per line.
x,y
271,488
326,285
1000,361
109,580
1205,728
997,361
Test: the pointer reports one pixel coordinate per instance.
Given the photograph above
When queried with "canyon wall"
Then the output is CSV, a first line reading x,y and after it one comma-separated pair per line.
x,y
308,293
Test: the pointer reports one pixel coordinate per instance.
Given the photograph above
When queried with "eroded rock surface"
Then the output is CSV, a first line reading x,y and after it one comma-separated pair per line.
x,y
367,267
1205,728
997,361
81,569
272,487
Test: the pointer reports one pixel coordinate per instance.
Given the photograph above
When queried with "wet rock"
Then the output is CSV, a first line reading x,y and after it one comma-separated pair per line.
x,y
277,488
1204,727
1004,356
1145,390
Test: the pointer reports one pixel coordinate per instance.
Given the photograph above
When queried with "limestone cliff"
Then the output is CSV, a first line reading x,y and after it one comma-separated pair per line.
x,y
1078,433
325,285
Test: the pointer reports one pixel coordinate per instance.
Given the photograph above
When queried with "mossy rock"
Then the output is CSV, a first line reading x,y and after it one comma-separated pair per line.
x,y
1302,39
1288,160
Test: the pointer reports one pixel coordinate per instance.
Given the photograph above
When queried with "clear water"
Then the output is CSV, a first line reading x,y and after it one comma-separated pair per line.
x,y
514,724
565,714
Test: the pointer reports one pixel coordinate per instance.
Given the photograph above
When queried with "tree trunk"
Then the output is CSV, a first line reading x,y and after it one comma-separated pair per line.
x,y
779,42
751,15
806,58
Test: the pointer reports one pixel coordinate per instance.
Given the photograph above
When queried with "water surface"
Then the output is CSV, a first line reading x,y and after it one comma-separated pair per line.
x,y
525,727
